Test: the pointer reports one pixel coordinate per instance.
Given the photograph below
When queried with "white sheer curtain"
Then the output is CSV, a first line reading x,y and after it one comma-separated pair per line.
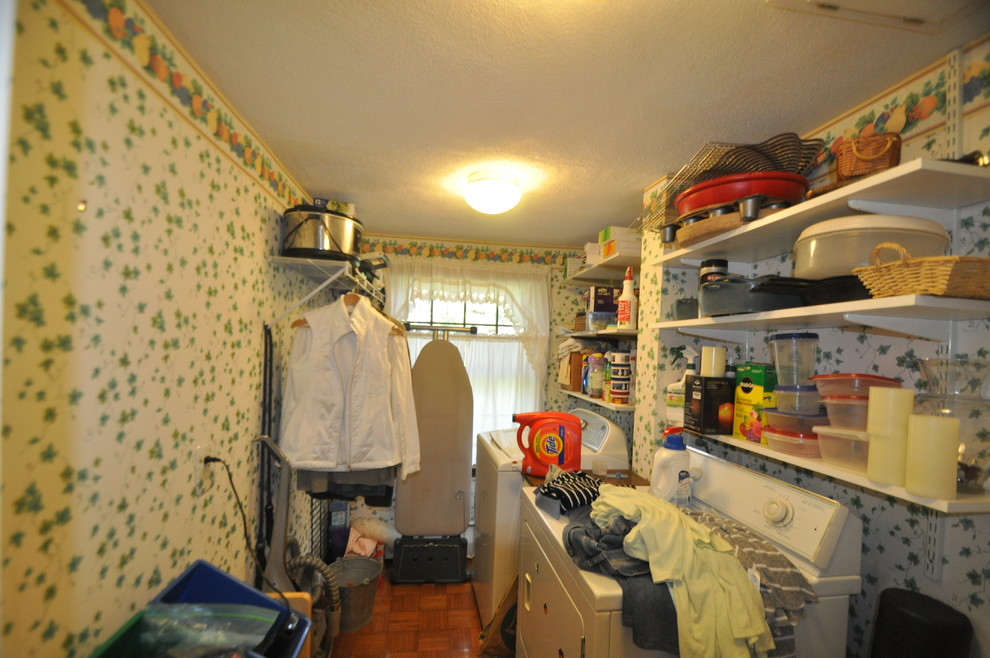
x,y
506,372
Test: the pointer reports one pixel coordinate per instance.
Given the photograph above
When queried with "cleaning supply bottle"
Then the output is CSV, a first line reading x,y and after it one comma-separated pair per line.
x,y
669,460
674,394
628,313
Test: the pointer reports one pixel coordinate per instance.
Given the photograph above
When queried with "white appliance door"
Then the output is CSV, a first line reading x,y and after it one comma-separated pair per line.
x,y
548,622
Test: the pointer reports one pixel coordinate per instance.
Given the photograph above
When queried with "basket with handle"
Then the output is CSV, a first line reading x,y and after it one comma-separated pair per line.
x,y
946,276
861,156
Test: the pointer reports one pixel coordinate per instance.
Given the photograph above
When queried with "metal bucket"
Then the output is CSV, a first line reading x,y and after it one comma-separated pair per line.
x,y
315,232
357,578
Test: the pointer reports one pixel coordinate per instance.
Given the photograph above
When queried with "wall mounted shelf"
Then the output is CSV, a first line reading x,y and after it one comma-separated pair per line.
x,y
964,504
924,316
921,187
612,268
599,401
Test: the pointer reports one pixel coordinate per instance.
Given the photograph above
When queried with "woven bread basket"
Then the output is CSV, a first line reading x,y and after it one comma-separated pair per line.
x,y
861,156
946,276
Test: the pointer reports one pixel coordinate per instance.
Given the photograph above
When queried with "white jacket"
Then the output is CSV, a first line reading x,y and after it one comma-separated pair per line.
x,y
348,402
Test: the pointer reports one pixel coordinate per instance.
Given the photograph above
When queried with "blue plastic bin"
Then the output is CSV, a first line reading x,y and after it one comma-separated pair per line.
x,y
204,583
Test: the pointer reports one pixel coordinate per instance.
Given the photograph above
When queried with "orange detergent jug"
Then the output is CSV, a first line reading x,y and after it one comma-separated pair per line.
x,y
554,438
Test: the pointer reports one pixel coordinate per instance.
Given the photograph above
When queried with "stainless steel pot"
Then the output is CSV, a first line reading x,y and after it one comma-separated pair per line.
x,y
315,232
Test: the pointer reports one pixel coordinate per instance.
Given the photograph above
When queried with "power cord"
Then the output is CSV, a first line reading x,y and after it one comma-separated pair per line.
x,y
247,537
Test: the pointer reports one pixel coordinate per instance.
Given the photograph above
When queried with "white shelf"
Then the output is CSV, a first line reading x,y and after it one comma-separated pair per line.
x,y
599,401
920,187
317,269
964,504
925,316
621,334
612,268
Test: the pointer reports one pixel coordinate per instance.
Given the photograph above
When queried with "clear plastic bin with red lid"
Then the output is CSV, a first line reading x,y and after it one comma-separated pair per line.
x,y
799,444
851,383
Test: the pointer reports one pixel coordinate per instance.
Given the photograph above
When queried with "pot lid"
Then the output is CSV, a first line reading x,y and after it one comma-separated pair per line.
x,y
874,223
308,209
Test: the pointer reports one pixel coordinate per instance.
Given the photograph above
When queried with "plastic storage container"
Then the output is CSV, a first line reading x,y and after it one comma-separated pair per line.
x,y
834,247
850,384
848,411
794,358
598,320
798,400
800,444
791,422
844,447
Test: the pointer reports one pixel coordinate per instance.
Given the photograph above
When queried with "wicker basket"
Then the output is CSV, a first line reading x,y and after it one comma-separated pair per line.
x,y
861,156
947,276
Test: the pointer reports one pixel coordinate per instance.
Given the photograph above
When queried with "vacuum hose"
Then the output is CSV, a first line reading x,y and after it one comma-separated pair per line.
x,y
330,589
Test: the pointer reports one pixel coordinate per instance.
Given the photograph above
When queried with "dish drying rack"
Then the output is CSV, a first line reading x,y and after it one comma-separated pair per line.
x,y
784,152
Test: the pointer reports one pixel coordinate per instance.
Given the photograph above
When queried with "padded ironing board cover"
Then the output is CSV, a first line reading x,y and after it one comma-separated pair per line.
x,y
435,500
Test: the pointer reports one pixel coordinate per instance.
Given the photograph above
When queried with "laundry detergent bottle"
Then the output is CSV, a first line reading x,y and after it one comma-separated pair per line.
x,y
670,459
553,438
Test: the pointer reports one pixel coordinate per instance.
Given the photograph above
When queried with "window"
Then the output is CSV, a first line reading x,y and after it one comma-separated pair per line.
x,y
488,318
509,303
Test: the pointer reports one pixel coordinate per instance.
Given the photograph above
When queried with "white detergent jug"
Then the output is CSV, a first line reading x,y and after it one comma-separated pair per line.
x,y
670,459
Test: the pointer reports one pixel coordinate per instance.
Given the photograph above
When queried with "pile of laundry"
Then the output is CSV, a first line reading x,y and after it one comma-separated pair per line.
x,y
693,582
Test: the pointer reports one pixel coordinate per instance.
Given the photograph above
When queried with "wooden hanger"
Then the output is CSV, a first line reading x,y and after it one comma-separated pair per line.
x,y
351,299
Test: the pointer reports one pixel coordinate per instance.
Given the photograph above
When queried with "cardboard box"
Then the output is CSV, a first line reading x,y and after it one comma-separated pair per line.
x,y
708,404
576,368
572,266
755,383
617,233
592,253
601,299
624,247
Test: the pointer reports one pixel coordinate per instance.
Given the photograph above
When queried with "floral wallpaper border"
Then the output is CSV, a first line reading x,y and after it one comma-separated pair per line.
x,y
466,251
140,43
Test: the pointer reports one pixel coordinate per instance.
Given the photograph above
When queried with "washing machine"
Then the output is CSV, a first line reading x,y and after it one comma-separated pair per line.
x,y
498,485
566,611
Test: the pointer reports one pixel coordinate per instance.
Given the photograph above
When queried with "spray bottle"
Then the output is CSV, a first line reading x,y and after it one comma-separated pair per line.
x,y
628,312
674,396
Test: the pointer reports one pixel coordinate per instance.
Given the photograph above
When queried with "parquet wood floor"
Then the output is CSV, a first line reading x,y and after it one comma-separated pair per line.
x,y
424,621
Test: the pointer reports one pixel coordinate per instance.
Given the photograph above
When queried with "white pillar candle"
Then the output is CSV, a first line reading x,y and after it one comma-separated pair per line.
x,y
712,361
886,423
932,456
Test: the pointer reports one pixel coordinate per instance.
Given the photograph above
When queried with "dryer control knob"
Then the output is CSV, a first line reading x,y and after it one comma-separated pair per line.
x,y
778,511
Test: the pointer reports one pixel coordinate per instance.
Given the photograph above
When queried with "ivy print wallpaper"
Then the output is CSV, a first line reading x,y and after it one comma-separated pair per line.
x,y
141,214
140,217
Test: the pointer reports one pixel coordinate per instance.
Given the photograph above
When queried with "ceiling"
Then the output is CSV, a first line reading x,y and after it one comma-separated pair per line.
x,y
389,105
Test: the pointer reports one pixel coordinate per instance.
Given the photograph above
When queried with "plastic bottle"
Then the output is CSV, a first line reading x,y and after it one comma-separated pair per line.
x,y
596,375
674,394
669,460
628,312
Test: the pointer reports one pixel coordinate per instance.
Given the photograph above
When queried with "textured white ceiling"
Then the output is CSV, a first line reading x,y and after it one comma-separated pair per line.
x,y
388,104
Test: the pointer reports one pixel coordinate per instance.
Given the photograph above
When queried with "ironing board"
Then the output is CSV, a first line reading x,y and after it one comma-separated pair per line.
x,y
432,506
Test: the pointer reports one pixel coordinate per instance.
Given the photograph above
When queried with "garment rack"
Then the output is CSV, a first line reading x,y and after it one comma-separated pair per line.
x,y
439,329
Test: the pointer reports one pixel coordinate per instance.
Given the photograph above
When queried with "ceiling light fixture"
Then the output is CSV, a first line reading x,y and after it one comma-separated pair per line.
x,y
492,191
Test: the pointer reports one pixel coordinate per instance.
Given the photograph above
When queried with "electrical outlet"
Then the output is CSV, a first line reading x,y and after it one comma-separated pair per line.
x,y
204,472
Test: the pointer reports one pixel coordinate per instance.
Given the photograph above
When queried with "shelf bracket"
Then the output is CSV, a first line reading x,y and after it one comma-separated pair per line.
x,y
733,336
934,532
920,327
